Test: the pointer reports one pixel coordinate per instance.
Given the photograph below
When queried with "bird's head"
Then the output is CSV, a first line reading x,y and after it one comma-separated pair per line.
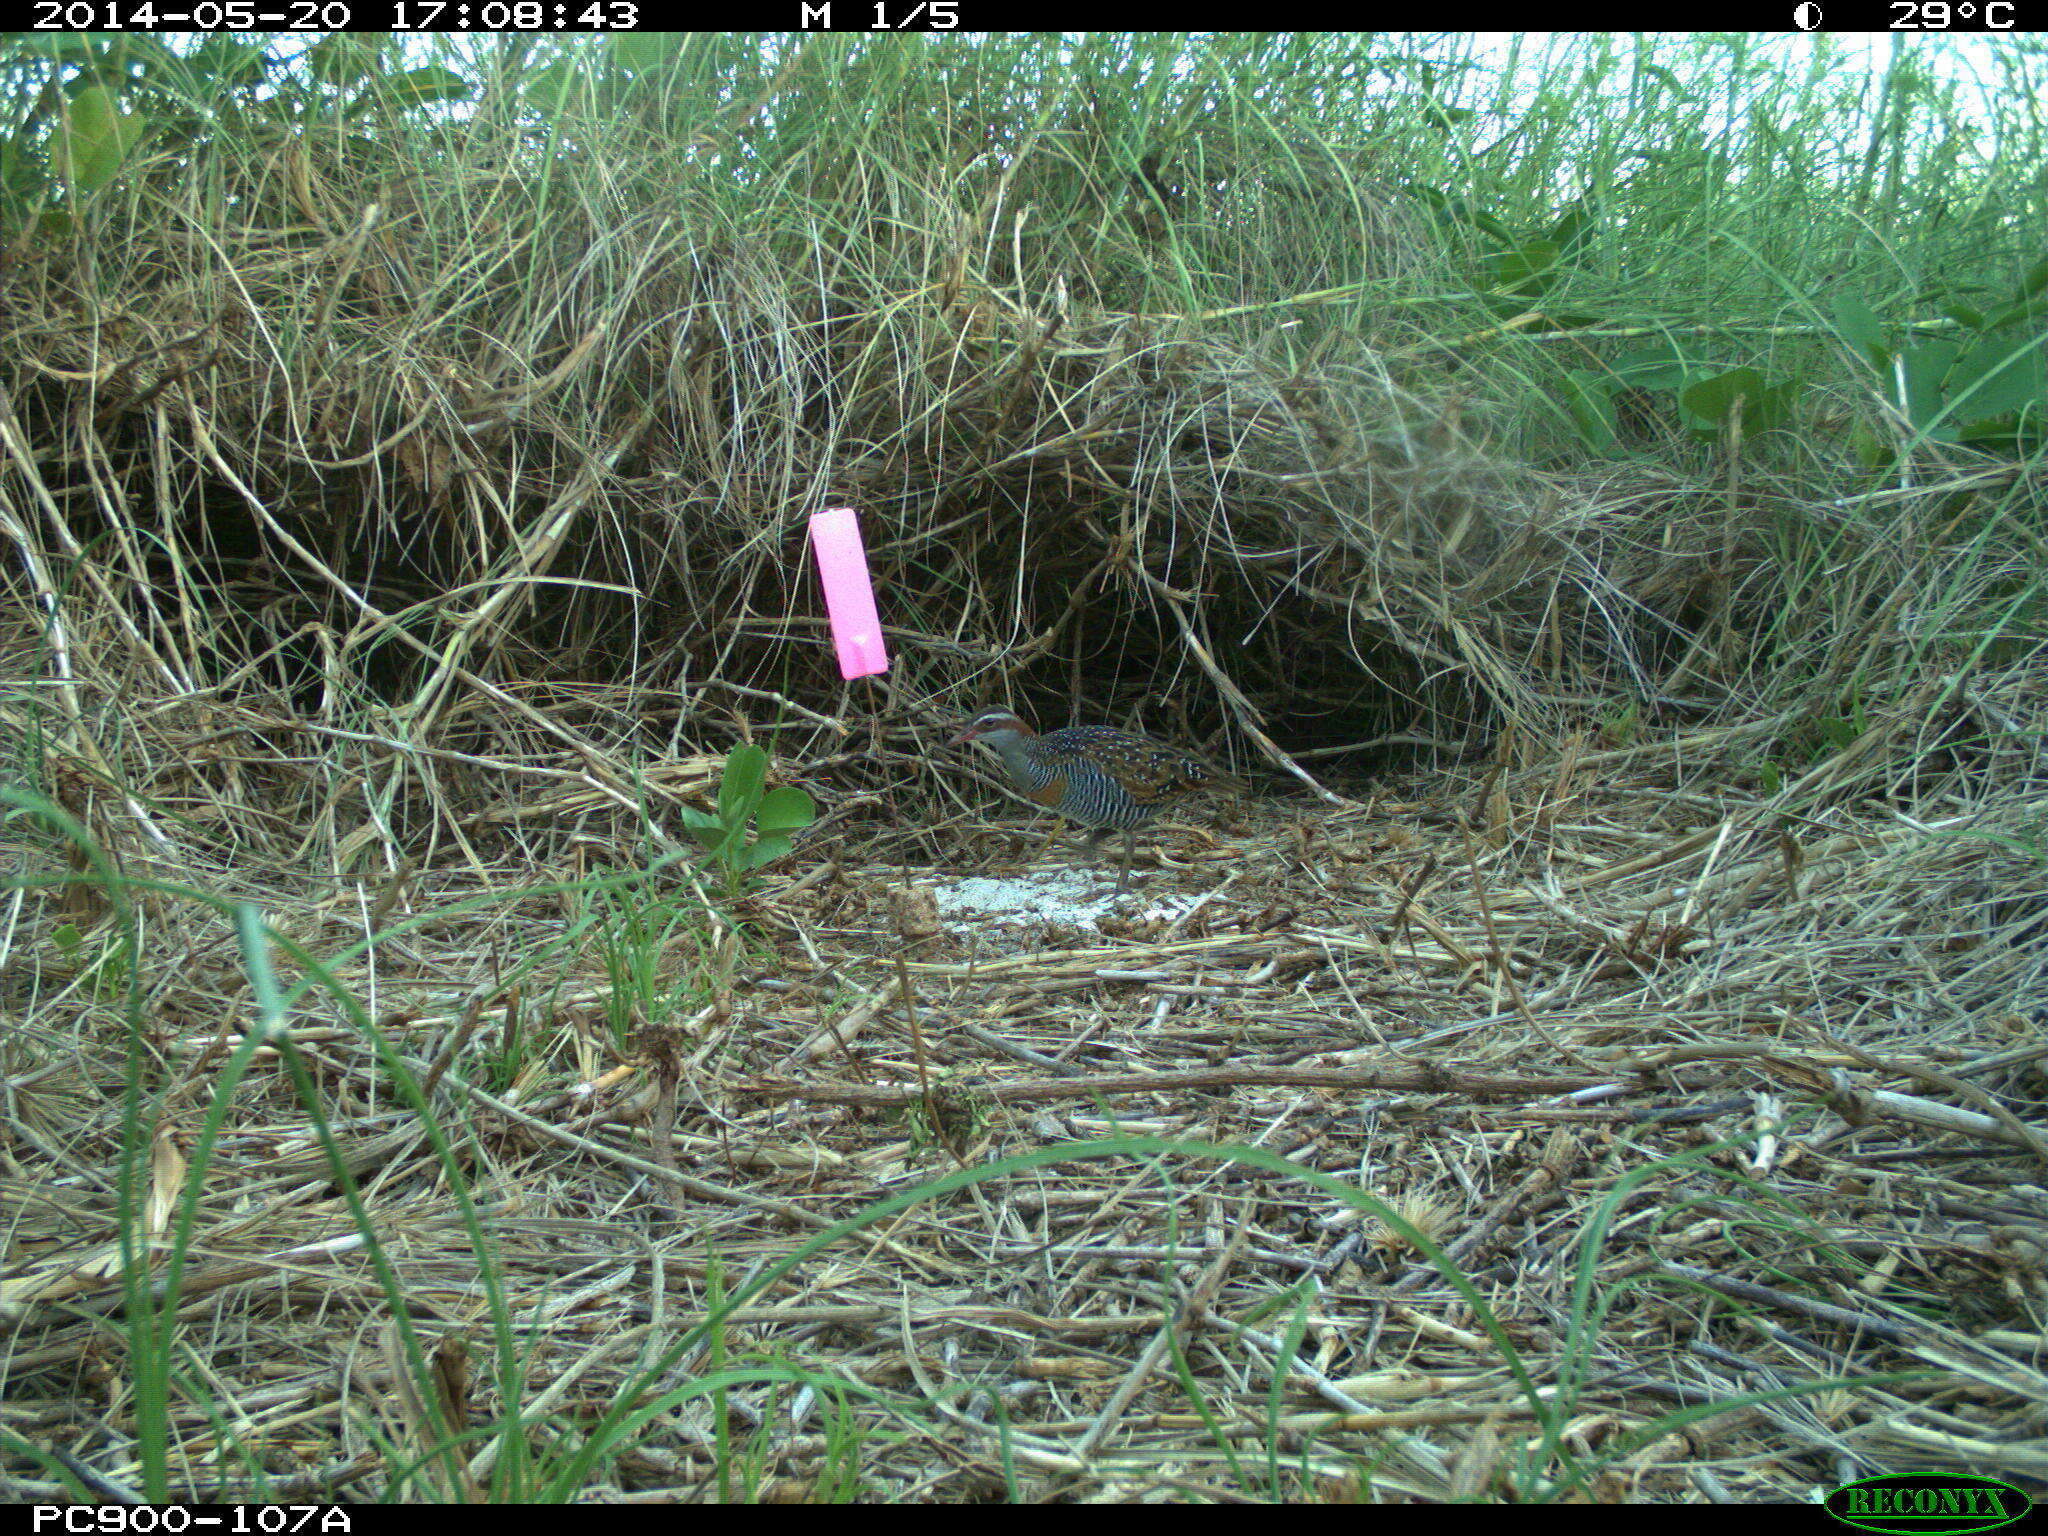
x,y
993,722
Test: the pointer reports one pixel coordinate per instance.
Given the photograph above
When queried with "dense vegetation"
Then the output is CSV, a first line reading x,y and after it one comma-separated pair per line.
x,y
1594,488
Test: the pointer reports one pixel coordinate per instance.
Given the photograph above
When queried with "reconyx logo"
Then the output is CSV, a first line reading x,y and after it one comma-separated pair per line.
x,y
1929,1502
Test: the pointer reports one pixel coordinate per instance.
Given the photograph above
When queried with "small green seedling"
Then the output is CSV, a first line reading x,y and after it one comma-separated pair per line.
x,y
106,970
775,813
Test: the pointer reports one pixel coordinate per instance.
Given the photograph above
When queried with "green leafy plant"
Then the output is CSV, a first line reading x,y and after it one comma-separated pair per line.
x,y
1620,723
102,961
742,799
1985,384
1694,392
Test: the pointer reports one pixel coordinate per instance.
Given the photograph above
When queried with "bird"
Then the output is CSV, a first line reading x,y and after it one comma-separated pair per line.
x,y
1103,778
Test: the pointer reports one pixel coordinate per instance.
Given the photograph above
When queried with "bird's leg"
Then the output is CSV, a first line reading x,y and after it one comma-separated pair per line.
x,y
1124,875
1057,825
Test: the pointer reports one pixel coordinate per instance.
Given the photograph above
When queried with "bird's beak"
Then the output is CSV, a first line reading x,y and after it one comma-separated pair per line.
x,y
963,738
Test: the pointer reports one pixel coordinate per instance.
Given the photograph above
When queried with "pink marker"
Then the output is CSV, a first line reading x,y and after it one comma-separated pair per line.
x,y
849,593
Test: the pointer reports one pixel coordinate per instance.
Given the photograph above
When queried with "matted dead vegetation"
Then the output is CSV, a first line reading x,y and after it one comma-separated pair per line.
x,y
1652,927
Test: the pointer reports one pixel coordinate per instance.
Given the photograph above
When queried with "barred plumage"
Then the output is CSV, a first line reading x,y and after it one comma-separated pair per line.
x,y
1103,778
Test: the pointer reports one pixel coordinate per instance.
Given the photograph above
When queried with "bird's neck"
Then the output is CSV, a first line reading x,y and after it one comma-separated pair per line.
x,y
1009,746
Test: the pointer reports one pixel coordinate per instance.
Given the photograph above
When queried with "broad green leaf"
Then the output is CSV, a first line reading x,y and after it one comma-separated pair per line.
x,y
1871,451
1710,399
1591,405
94,138
1528,269
715,837
1441,202
1481,220
785,810
722,848
2029,299
431,83
1861,329
643,50
1774,410
1925,365
553,87
1838,732
1999,374
1660,366
767,850
2009,433
707,828
739,791
1575,226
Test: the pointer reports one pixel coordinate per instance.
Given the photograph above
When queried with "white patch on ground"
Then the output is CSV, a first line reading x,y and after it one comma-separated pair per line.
x,y
1052,896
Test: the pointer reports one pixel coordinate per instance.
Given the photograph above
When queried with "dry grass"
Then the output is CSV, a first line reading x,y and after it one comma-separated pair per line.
x,y
1605,1061
1717,1111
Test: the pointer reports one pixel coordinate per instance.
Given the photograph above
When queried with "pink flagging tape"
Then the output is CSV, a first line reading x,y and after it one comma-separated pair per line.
x,y
849,593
